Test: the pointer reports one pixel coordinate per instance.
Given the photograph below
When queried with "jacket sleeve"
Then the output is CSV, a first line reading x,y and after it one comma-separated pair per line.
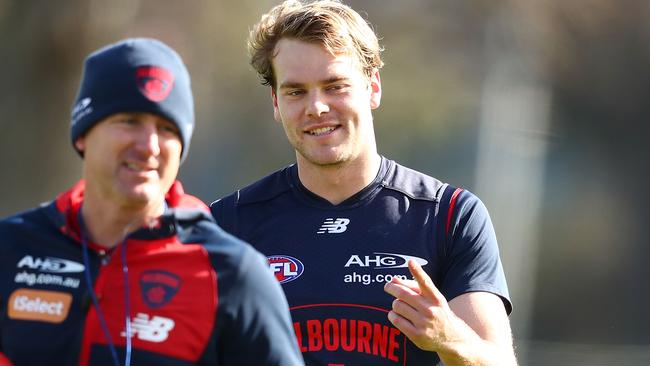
x,y
257,317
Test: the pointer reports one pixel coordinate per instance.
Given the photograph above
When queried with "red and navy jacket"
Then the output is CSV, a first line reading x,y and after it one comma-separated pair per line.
x,y
333,260
196,295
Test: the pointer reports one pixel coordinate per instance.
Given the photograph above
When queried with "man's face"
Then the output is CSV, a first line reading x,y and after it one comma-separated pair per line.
x,y
131,158
324,103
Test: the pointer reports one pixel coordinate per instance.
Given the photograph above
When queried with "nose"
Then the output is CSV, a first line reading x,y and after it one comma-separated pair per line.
x,y
148,141
316,105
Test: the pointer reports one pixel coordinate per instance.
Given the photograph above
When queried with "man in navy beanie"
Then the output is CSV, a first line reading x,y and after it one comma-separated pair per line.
x,y
124,267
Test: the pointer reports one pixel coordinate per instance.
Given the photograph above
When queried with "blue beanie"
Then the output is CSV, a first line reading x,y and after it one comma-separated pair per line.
x,y
134,75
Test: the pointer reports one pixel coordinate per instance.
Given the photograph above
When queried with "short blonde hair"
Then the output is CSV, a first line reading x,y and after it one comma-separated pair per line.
x,y
335,26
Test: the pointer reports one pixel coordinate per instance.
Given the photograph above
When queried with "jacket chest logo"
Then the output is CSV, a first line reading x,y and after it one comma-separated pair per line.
x,y
334,226
150,328
158,287
39,305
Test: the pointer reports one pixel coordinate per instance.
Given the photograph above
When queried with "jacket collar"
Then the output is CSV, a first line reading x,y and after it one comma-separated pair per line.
x,y
69,203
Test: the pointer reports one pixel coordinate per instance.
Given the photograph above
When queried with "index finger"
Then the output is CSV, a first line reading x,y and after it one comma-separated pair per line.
x,y
427,288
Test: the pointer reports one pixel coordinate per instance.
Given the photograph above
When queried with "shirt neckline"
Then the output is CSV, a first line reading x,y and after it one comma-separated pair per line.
x,y
362,197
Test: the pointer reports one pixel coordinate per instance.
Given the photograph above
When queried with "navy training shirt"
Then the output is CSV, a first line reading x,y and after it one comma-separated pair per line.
x,y
333,260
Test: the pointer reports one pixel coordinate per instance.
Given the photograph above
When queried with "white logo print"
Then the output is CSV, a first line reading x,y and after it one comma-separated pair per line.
x,y
81,109
383,260
332,226
50,264
155,329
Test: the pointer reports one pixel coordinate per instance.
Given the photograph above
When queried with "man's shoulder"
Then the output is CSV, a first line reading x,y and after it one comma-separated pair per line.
x,y
27,228
222,244
227,252
262,190
412,183
196,226
34,217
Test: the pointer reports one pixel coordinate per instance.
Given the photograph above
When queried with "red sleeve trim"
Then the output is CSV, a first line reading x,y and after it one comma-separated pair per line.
x,y
452,205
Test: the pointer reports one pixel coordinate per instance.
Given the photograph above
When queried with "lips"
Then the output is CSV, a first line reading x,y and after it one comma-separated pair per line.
x,y
321,131
139,167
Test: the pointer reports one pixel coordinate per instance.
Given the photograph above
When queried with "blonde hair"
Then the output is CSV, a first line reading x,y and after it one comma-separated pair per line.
x,y
329,23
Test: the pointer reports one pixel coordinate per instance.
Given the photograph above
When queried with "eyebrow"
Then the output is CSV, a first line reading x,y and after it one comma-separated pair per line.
x,y
293,84
130,114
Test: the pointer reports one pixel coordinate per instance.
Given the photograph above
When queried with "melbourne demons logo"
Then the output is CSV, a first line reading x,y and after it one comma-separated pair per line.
x,y
154,82
285,268
158,287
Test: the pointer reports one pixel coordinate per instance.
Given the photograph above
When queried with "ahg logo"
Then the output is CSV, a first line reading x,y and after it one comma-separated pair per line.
x,y
50,264
383,260
332,226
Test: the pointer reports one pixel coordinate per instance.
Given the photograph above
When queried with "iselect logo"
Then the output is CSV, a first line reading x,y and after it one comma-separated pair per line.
x,y
45,306
50,264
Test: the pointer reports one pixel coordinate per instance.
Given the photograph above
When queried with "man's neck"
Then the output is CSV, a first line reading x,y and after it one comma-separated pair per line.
x,y
336,183
107,223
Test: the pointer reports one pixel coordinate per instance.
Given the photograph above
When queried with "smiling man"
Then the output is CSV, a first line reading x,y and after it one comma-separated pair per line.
x,y
345,229
125,267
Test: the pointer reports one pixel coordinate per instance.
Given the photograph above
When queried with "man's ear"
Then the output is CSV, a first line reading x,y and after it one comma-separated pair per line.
x,y
80,144
276,109
375,89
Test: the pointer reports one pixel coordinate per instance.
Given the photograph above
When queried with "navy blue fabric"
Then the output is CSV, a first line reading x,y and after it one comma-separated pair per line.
x,y
251,311
110,85
336,299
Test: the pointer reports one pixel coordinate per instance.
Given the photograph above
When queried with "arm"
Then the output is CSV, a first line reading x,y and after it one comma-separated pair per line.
x,y
472,329
259,330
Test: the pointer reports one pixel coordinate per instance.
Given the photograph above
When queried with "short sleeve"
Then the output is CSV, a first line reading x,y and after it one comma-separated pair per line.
x,y
471,257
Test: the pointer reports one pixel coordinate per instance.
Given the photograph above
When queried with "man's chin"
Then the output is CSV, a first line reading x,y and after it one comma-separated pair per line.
x,y
329,162
143,195
324,159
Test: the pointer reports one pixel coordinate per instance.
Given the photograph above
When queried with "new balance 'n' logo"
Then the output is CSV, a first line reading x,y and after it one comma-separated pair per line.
x,y
155,329
332,226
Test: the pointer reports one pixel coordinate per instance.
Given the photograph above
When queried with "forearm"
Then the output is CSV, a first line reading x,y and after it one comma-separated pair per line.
x,y
471,329
481,353
470,349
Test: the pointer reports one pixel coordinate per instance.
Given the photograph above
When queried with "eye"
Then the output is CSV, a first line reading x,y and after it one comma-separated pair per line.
x,y
169,128
294,92
337,87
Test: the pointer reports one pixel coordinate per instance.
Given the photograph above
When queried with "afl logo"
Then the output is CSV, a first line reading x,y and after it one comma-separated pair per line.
x,y
285,268
154,82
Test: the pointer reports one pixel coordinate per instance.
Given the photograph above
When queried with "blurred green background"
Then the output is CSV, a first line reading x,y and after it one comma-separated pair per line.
x,y
539,107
